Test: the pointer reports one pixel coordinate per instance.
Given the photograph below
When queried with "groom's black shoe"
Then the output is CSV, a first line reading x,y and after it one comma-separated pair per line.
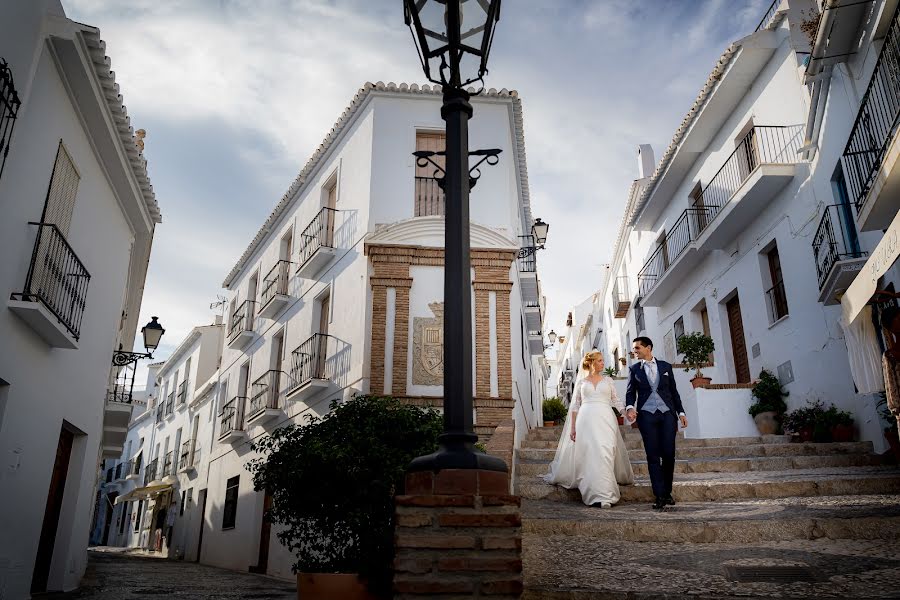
x,y
669,500
659,504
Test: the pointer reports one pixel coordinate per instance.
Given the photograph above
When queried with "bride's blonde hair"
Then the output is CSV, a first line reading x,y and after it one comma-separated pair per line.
x,y
589,359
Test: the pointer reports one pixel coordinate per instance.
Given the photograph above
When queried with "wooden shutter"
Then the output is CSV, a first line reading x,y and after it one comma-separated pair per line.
x,y
63,188
738,343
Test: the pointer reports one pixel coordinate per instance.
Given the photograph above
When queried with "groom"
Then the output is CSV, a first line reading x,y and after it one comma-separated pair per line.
x,y
653,400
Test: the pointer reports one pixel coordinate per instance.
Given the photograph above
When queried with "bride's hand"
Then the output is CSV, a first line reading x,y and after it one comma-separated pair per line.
x,y
572,435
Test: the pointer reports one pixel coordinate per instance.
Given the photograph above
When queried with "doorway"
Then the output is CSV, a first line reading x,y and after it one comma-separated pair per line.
x,y
110,504
738,343
201,500
265,531
322,345
47,541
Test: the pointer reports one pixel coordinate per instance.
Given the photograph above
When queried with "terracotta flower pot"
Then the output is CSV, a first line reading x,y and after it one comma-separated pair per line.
x,y
805,434
549,423
766,422
842,433
700,381
327,586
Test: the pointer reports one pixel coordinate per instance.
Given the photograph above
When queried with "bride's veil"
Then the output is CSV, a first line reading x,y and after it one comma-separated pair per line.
x,y
562,469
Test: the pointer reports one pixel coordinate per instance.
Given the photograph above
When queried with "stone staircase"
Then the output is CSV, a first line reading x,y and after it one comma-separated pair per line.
x,y
756,517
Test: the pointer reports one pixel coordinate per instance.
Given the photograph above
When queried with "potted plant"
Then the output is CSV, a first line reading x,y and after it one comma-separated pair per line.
x,y
769,408
696,348
840,424
554,411
333,481
610,372
807,423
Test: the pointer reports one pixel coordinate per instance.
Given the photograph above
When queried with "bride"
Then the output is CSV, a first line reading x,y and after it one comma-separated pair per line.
x,y
591,454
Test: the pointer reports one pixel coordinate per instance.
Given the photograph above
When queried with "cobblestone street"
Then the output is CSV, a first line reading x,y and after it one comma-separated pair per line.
x,y
112,574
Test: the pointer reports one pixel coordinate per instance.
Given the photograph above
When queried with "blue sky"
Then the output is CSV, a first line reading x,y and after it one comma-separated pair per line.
x,y
235,95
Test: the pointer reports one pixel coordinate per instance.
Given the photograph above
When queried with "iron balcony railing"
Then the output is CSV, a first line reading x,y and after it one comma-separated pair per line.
x,y
160,412
241,319
762,145
150,471
621,296
527,264
169,464
877,120
429,197
188,457
231,418
56,278
310,361
119,471
109,475
128,469
275,282
318,234
182,392
639,317
532,304
535,332
170,404
119,395
266,392
768,16
9,110
836,239
776,300
134,467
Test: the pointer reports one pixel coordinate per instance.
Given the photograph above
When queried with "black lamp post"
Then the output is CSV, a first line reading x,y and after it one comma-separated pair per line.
x,y
552,337
152,333
454,38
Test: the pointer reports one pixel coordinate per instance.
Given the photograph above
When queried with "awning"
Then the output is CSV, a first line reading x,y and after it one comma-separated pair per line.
x,y
863,287
143,493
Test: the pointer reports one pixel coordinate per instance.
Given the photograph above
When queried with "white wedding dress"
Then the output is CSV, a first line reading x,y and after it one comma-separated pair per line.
x,y
597,461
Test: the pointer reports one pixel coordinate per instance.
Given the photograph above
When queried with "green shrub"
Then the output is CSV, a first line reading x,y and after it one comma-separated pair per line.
x,y
696,348
333,482
554,410
769,395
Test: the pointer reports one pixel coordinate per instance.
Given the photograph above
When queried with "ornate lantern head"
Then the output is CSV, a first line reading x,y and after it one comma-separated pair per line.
x,y
539,232
152,333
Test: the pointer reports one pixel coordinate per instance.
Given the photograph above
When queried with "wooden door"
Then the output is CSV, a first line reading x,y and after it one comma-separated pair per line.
x,y
265,530
322,345
330,204
110,505
201,500
41,573
738,344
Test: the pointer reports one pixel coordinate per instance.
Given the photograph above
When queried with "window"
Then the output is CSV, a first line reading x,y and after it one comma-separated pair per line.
x,y
679,328
63,188
775,296
123,517
183,500
429,196
638,317
229,511
138,515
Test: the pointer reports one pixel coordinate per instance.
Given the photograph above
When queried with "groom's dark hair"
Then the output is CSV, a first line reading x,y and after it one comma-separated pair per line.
x,y
644,340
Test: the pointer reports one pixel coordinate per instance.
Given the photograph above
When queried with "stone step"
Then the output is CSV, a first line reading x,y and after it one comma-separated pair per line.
x,y
553,433
715,487
734,465
586,568
746,521
635,443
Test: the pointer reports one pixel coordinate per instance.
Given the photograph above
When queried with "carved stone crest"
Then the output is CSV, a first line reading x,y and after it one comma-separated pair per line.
x,y
428,347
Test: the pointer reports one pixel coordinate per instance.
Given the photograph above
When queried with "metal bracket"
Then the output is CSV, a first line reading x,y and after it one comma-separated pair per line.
x,y
424,158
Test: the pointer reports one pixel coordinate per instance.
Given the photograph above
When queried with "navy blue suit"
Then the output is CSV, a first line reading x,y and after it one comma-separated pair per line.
x,y
658,428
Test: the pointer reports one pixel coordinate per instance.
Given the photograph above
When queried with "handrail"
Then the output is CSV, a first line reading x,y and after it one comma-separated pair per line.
x,y
265,392
310,360
275,282
768,15
833,243
318,234
231,416
242,319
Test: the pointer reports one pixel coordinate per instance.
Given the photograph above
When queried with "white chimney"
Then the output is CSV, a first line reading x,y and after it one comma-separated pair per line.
x,y
646,161
218,320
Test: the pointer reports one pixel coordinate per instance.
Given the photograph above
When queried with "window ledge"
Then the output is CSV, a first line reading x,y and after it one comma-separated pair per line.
x,y
781,320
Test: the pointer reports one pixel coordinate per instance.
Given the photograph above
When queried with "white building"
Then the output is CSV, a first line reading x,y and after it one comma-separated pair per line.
x,y
164,466
341,293
78,219
721,236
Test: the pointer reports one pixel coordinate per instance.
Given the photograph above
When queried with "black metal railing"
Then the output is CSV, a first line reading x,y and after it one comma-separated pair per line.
x,y
170,404
275,283
150,471
429,197
535,333
128,467
56,278
768,16
242,319
621,296
877,120
119,471
836,239
776,300
527,263
266,392
109,475
160,412
182,392
134,467
532,304
310,361
685,230
119,395
169,464
639,318
188,454
231,418
318,234
9,110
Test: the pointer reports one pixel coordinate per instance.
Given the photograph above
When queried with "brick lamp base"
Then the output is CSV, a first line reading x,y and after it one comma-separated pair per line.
x,y
458,534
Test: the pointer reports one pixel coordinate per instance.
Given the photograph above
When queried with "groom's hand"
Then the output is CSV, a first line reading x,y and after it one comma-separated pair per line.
x,y
683,420
631,414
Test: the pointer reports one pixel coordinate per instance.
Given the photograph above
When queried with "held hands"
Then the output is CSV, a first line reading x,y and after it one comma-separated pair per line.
x,y
683,420
631,414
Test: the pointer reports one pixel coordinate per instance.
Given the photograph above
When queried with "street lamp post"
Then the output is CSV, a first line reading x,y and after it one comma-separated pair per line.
x,y
450,40
126,362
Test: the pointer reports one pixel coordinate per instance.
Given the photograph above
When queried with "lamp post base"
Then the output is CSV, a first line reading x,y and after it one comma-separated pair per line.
x,y
457,452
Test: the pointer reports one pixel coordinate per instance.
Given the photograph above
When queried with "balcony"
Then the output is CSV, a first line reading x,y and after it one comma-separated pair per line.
x,y
266,402
535,342
240,326
231,420
759,168
120,473
317,244
837,254
133,469
188,457
430,198
870,161
150,472
528,269
53,300
310,367
533,317
182,392
170,464
620,297
109,475
116,416
170,404
160,412
274,296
